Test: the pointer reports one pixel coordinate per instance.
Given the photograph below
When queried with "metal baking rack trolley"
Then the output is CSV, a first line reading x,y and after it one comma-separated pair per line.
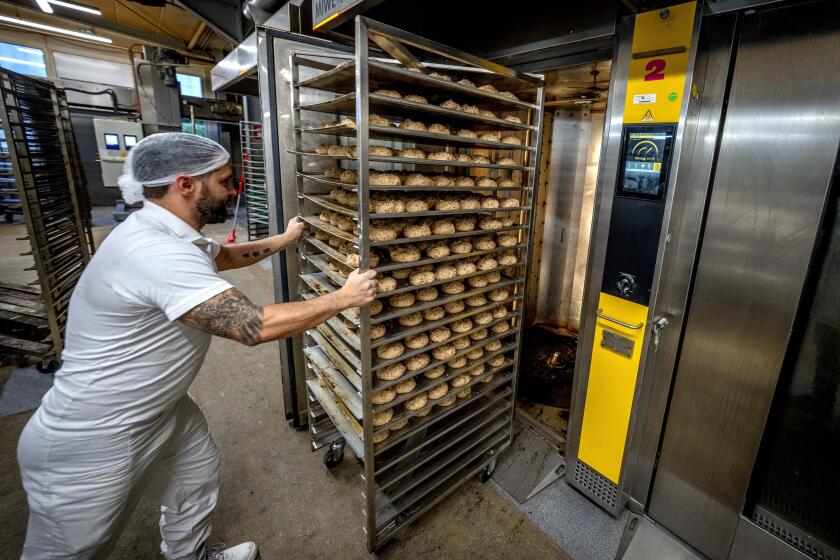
x,y
425,172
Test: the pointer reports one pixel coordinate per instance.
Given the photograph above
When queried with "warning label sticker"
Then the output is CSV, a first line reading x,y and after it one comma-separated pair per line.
x,y
644,99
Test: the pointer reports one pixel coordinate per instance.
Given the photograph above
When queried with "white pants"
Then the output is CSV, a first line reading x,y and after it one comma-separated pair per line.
x,y
82,489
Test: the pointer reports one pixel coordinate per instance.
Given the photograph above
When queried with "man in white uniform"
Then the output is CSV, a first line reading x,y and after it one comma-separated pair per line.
x,y
118,423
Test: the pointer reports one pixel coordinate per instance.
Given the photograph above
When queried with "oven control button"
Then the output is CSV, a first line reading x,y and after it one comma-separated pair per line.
x,y
626,284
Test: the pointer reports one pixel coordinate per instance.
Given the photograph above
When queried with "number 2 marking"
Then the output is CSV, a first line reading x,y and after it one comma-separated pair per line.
x,y
655,68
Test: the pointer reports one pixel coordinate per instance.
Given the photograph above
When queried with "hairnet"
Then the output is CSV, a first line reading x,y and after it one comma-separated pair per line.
x,y
158,159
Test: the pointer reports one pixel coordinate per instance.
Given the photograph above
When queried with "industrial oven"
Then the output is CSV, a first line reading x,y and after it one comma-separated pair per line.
x,y
377,151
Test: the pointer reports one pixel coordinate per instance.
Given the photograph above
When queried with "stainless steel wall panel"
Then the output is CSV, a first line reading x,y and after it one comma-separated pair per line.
x,y
777,153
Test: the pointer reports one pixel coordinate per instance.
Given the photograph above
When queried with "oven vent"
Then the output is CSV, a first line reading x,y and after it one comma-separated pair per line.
x,y
794,537
599,488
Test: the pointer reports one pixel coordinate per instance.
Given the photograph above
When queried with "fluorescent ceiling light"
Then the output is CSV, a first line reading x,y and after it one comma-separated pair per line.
x,y
44,5
52,29
74,6
24,62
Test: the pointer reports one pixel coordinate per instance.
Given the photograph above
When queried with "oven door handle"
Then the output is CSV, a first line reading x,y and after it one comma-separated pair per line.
x,y
600,315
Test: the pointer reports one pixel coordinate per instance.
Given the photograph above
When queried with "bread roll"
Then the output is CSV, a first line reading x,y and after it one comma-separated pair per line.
x,y
332,173
438,251
418,362
448,401
460,380
411,320
444,352
480,159
465,82
463,394
500,294
440,76
477,281
349,176
512,118
488,88
418,180
463,268
417,341
476,301
388,93
400,425
506,161
385,284
506,239
404,254
508,94
437,128
461,343
476,371
493,346
483,318
460,247
486,113
464,158
409,124
511,140
383,396
391,350
427,294
490,136
417,230
461,325
467,133
412,153
443,227
377,330
440,334
417,402
420,278
381,436
454,307
487,263
489,224
401,300
438,391
416,98
457,363
496,361
388,179
486,182
441,156
474,354
500,312
435,372
464,181
501,327
470,203
378,120
452,288
406,386
445,272
489,202
472,109
382,418
452,105
416,205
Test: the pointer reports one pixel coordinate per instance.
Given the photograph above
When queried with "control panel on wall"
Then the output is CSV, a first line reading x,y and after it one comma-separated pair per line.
x,y
637,212
114,139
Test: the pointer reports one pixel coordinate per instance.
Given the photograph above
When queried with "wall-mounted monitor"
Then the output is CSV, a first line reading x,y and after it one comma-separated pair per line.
x,y
112,141
647,155
129,140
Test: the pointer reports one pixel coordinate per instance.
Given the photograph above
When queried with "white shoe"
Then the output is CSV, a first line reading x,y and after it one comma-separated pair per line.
x,y
244,551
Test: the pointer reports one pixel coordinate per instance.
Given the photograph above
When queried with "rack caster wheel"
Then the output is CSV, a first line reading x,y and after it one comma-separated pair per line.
x,y
334,455
485,474
50,366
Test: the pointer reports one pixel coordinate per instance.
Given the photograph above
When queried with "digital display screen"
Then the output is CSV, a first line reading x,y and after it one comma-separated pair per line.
x,y
112,141
647,151
129,140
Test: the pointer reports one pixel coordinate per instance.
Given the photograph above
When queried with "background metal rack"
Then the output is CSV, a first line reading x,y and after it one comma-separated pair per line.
x,y
253,166
45,169
440,447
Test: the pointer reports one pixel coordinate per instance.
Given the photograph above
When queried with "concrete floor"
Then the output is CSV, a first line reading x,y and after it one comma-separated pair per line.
x,y
274,490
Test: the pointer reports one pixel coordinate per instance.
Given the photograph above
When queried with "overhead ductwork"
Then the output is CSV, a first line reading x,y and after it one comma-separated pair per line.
x,y
260,10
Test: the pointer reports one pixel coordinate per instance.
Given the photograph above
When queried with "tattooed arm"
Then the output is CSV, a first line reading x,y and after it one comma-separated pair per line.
x,y
245,254
232,315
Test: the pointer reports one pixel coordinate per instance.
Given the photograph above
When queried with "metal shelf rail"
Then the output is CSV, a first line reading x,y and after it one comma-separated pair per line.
x,y
425,172
40,150
253,166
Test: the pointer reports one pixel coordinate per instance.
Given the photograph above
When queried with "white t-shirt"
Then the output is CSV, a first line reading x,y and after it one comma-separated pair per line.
x,y
127,359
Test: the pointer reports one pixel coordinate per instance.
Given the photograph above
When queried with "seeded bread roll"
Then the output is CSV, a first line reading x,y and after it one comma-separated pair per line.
x,y
378,120
381,151
512,118
465,82
454,307
463,268
460,247
467,133
417,230
507,260
443,181
489,202
440,334
385,284
344,224
406,386
322,149
448,401
438,128
490,136
493,346
476,371
487,263
321,235
500,294
470,203
383,396
460,381
445,272
404,254
434,314
418,180
417,402
472,109
391,350
333,173
435,372
496,361
416,98
441,156
489,224
464,181
416,205
443,227
401,273
459,362
476,301
382,418
375,307
452,288
438,391
444,352
488,114
461,325
483,318
488,88
409,124
480,159
381,436
506,240
334,241
384,179
485,243
418,362
411,320
501,327
508,94
463,394
511,140
440,76
423,413
486,182
488,378
500,313
382,233
506,161
388,93
438,251
474,354
450,104
480,334
400,425
477,281
401,300
417,341
420,278
412,153
377,331
427,294
508,202
349,176
464,158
